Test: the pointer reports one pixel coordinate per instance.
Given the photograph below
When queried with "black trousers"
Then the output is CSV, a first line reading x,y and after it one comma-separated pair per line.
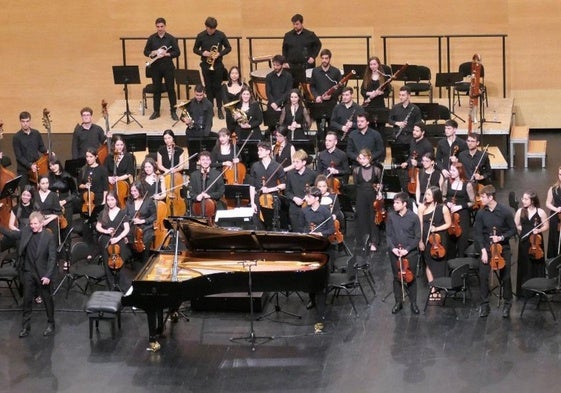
x,y
213,82
167,73
504,278
31,286
410,288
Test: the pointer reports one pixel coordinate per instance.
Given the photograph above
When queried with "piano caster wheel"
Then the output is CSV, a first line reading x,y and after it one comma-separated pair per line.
x,y
154,347
318,328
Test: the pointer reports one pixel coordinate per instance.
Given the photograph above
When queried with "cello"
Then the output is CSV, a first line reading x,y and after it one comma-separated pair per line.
x,y
104,149
5,177
412,173
236,174
174,182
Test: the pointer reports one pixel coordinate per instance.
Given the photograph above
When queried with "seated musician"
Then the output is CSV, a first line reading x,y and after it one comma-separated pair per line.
x,y
333,161
120,167
19,217
153,183
330,199
374,77
171,156
64,185
283,149
141,211
364,137
266,178
48,204
113,228
278,84
231,92
197,114
295,117
207,187
248,116
476,163
222,153
86,134
448,149
343,117
403,116
298,182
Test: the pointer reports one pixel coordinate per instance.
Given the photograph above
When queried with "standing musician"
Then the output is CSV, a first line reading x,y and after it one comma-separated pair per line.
x,y
201,180
427,176
333,161
231,92
48,204
298,182
494,225
330,199
163,46
121,169
28,146
141,212
365,137
324,77
86,134
374,77
448,149
435,219
367,179
300,47
295,117
113,228
197,114
553,203
403,233
470,159
278,84
418,147
64,186
404,115
283,151
247,115
343,117
212,45
531,223
151,182
266,178
459,199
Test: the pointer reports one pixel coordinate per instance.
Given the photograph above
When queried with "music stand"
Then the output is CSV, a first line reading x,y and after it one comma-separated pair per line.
x,y
73,167
135,142
429,111
449,79
126,75
10,188
378,117
391,183
187,78
237,192
400,152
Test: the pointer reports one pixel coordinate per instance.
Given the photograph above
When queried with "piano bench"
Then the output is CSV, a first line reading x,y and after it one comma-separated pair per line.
x,y
104,305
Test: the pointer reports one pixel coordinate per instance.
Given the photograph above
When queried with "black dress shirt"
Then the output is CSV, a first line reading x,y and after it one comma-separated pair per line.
x,y
371,140
155,42
277,87
298,47
206,41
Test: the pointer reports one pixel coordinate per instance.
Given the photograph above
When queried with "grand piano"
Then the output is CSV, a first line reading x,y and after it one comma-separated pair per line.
x,y
216,261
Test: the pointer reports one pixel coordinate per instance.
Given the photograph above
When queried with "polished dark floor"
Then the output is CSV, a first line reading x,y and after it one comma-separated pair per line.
x,y
374,352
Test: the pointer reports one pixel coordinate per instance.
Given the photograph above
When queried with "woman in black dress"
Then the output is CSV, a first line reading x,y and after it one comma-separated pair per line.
x,y
121,169
459,199
295,117
373,79
141,212
553,203
64,186
427,176
248,116
47,202
283,150
231,92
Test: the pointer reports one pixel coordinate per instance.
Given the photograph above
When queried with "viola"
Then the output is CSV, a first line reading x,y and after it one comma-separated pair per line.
x,y
404,272
337,236
496,261
333,183
437,250
412,173
536,249
266,200
88,197
138,242
455,228
115,261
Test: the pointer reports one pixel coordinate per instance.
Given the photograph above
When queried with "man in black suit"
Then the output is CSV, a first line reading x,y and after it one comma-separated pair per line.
x,y
37,261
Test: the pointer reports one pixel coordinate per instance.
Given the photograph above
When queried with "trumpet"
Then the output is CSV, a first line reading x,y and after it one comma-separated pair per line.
x,y
213,55
238,114
185,114
160,52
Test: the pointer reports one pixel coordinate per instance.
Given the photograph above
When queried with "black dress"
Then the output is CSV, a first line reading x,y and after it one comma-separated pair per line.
x,y
553,238
527,266
365,228
438,267
376,102
457,245
427,180
103,241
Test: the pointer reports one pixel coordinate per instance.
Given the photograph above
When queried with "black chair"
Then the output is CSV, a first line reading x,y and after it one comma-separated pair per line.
x,y
463,86
84,265
347,283
471,261
451,285
544,287
148,90
419,80
9,275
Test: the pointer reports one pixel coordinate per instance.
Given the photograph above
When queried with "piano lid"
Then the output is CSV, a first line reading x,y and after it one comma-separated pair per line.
x,y
200,236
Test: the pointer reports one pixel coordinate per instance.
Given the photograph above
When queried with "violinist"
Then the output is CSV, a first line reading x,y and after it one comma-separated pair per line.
x,y
428,176
494,225
365,137
121,168
298,182
316,214
86,134
295,116
277,86
231,92
28,146
471,157
283,149
113,228
94,178
403,116
459,199
418,146
207,184
330,199
64,186
151,182
529,219
403,234
266,178
48,204
333,161
141,211
448,148
553,203
248,115
366,177
435,219
19,217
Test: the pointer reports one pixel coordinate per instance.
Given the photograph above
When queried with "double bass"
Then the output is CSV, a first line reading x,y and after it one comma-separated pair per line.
x,y
104,149
42,163
474,90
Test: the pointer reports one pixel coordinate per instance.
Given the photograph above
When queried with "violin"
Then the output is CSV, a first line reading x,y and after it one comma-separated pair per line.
x,y
379,209
265,200
333,183
276,149
115,261
88,197
437,250
337,236
455,228
138,242
497,261
404,273
412,173
536,240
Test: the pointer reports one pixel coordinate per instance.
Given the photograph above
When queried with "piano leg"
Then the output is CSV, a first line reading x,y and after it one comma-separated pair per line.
x,y
155,328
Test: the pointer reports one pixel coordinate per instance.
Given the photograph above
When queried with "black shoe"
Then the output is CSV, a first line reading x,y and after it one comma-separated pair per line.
x,y
484,311
154,115
24,332
397,307
220,114
49,330
311,304
506,311
414,309
174,116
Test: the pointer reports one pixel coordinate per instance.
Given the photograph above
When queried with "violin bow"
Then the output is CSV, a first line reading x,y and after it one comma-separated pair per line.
x,y
322,224
274,172
484,151
116,228
537,226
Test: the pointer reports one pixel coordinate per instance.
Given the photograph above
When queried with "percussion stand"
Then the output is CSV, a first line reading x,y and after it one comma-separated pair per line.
x,y
251,337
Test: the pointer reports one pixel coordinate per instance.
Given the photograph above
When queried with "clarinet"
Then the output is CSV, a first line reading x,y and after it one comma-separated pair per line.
x,y
405,120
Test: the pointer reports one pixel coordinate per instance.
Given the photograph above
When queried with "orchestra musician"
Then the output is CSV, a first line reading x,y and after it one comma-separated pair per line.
x,y
163,45
86,134
527,219
418,147
212,45
494,224
374,77
152,183
427,176
330,199
448,149
283,150
202,179
28,147
222,153
141,211
343,117
364,137
403,233
64,186
170,153
19,218
120,167
298,182
248,116
266,178
324,77
553,203
333,161
295,117
48,204
198,116
366,177
404,115
459,199
278,84
471,157
231,92
435,219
